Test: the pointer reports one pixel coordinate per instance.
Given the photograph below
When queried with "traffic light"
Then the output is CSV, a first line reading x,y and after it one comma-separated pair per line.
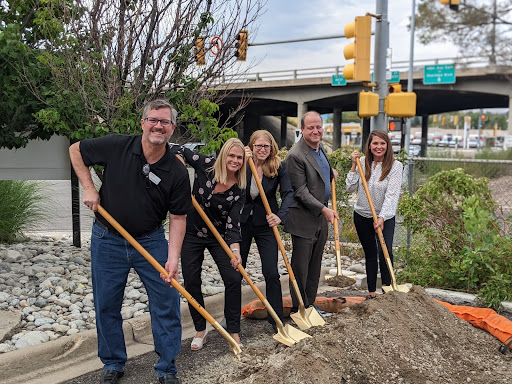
x,y
456,120
359,50
483,119
395,125
454,4
368,104
241,45
200,51
398,103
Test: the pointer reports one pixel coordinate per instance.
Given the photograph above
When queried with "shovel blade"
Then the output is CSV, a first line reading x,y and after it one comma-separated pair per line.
x,y
396,288
301,320
314,317
289,335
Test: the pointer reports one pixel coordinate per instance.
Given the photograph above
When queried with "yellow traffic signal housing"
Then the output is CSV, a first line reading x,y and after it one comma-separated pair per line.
x,y
368,104
401,104
359,50
200,51
454,4
241,45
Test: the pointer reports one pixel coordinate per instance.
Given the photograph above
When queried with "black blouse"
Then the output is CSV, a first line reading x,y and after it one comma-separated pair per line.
x,y
223,208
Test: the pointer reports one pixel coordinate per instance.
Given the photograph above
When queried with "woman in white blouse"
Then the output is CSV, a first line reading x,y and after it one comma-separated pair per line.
x,y
384,177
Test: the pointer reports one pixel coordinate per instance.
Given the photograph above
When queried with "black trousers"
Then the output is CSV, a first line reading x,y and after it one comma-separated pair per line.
x,y
307,264
267,247
192,256
371,246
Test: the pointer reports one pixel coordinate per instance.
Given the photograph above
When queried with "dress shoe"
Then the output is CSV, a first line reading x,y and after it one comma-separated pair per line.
x,y
169,379
111,376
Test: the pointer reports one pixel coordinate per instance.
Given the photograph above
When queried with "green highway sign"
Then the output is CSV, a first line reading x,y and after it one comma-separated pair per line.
x,y
395,77
338,80
439,74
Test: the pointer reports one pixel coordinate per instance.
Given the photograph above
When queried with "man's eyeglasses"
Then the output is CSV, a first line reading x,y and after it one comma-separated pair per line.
x,y
266,147
145,171
164,122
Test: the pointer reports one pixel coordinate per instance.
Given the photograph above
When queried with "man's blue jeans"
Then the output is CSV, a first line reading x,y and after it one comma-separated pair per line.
x,y
111,259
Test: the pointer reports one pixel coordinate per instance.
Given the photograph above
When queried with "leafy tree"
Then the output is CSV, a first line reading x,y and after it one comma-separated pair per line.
x,y
478,28
106,58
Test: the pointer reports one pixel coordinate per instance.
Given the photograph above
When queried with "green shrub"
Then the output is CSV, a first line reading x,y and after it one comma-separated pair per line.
x,y
20,207
456,244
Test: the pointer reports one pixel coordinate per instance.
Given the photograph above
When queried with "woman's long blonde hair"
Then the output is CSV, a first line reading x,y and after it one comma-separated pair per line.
x,y
389,159
220,173
272,162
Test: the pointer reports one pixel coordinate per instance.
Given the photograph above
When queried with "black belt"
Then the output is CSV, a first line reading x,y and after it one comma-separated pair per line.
x,y
105,228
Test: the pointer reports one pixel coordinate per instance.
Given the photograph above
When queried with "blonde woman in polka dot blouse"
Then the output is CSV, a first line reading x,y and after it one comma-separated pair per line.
x,y
383,175
219,188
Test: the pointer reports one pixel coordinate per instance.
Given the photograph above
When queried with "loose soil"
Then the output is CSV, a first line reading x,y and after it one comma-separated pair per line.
x,y
395,338
340,281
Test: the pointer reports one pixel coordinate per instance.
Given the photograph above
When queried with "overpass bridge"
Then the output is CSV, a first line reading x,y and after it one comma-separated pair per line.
x,y
293,92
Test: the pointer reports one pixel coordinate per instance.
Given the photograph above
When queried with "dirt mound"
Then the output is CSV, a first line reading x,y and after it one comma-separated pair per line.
x,y
341,281
396,338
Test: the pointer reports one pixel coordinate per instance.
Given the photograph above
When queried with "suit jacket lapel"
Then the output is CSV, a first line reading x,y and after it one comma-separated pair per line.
x,y
311,158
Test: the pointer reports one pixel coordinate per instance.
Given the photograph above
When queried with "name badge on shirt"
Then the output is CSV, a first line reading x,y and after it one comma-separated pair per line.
x,y
154,178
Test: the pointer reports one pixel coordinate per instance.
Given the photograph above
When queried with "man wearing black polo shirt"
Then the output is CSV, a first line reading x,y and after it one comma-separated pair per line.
x,y
310,174
142,182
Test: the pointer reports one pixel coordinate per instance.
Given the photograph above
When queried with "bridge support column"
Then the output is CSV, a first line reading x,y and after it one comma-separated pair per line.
x,y
284,130
302,108
424,135
336,128
509,128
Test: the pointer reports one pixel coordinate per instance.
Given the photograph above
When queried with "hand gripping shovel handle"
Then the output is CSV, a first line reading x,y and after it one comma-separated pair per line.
x,y
379,231
235,347
303,320
286,335
336,229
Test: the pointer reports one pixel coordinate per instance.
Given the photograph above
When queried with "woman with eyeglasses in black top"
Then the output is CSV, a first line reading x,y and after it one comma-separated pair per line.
x,y
256,224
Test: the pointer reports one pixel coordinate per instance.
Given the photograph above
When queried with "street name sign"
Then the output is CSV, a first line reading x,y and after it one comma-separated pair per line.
x,y
439,74
338,80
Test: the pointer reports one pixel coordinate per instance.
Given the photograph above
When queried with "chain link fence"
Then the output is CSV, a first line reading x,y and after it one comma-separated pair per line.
x,y
498,172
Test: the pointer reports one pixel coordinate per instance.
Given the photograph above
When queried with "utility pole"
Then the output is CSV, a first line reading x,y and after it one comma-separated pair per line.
x,y
379,72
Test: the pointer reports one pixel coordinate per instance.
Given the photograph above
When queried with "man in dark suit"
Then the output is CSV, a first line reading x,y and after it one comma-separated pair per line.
x,y
310,174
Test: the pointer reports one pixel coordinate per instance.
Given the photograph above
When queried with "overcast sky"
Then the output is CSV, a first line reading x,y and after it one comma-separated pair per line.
x,y
293,19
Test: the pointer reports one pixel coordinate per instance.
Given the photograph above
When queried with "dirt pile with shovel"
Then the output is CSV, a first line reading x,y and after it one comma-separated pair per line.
x,y
395,338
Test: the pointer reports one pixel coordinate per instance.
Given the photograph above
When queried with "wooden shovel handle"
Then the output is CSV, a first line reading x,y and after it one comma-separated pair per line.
x,y
276,233
375,219
335,208
155,264
226,248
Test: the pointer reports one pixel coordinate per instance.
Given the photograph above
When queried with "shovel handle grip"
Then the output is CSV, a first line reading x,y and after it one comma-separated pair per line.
x,y
225,246
335,208
374,214
276,231
155,264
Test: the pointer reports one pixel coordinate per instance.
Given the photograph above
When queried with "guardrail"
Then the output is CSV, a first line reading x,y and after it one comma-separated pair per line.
x,y
402,66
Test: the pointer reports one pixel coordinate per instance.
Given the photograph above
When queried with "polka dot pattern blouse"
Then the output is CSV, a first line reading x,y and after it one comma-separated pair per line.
x,y
385,193
223,208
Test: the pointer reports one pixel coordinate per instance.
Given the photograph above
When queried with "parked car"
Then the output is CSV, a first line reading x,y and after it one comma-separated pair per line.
x,y
414,150
416,141
456,142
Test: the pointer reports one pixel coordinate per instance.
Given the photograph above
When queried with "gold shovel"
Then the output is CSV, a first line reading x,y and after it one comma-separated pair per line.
x,y
336,233
393,287
286,334
234,345
304,318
